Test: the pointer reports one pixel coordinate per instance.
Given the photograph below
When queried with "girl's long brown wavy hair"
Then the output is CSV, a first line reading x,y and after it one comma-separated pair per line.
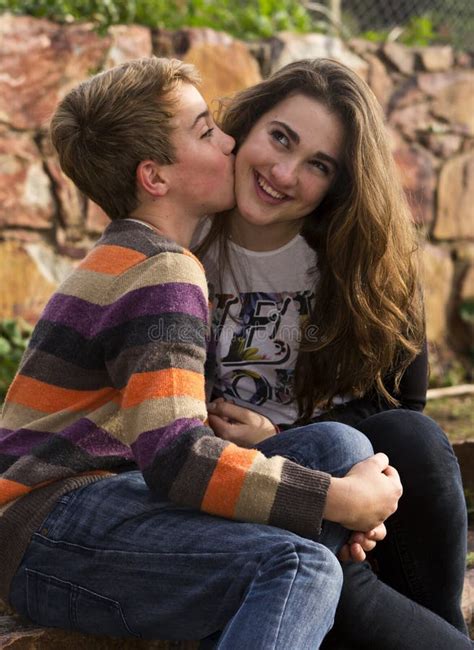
x,y
368,312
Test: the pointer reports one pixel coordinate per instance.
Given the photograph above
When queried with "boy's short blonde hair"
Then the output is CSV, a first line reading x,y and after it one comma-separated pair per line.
x,y
108,124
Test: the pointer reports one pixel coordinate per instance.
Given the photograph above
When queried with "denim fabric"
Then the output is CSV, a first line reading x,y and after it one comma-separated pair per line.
x,y
423,555
113,559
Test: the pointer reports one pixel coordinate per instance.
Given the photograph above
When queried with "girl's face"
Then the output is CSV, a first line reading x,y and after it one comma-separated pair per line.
x,y
288,162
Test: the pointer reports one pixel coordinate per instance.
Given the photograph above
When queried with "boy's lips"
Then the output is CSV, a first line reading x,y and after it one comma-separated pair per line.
x,y
267,192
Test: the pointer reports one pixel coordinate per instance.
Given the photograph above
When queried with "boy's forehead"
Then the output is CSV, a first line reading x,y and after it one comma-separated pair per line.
x,y
190,106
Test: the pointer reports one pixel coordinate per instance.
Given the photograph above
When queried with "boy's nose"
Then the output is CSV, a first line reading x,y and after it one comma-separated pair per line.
x,y
227,143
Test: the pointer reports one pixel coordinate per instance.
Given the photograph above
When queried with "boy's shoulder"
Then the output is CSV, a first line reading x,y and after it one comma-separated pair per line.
x,y
126,244
137,236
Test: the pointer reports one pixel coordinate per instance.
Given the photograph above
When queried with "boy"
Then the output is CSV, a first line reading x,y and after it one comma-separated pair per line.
x,y
113,380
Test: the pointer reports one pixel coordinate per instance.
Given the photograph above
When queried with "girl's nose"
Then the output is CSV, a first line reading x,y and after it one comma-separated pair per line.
x,y
285,174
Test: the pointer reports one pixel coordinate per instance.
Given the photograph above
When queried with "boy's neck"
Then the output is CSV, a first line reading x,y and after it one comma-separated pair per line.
x,y
172,225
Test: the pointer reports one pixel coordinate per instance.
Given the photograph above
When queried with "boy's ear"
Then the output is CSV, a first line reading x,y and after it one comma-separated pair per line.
x,y
152,178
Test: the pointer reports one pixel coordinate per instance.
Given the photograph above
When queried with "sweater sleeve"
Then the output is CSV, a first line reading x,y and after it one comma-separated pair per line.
x,y
155,360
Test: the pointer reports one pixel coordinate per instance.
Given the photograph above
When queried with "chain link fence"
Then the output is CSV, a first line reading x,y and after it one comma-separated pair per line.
x,y
436,21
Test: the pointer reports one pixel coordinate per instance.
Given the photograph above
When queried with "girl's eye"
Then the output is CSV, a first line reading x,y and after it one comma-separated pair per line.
x,y
208,133
317,164
280,137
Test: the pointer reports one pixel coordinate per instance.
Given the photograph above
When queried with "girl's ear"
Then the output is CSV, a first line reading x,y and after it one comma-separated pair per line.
x,y
152,178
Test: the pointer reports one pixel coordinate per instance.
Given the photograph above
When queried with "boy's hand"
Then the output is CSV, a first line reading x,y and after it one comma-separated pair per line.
x,y
361,543
237,424
366,496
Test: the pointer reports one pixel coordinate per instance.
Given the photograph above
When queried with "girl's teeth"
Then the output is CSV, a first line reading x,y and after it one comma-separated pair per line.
x,y
268,189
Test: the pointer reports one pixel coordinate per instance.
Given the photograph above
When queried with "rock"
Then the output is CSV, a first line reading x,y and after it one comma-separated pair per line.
x,y
16,635
128,42
467,284
361,46
455,104
418,179
463,60
455,214
400,56
225,69
468,601
97,220
443,145
71,203
406,94
41,61
379,79
436,58
412,120
25,190
434,83
437,273
312,46
178,43
25,287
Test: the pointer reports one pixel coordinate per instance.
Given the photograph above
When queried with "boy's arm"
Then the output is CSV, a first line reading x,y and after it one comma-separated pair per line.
x,y
156,360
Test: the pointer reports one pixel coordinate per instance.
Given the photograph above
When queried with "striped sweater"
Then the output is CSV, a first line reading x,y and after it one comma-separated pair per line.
x,y
114,379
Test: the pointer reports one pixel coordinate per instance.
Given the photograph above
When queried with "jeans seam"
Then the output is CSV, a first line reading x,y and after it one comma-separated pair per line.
x,y
409,567
288,595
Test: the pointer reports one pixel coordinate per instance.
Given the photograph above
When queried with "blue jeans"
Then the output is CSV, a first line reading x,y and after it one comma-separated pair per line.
x,y
113,559
420,564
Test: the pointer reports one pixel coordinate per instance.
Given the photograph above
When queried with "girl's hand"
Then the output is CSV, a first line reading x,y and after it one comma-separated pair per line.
x,y
237,424
361,543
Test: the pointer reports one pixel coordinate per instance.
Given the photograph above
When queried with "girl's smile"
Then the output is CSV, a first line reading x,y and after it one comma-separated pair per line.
x,y
283,170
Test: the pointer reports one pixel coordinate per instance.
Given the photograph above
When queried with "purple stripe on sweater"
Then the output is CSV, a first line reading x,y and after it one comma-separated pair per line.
x,y
89,319
94,440
84,434
18,443
149,443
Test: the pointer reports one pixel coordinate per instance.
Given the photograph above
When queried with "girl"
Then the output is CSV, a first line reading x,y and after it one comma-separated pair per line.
x,y
318,316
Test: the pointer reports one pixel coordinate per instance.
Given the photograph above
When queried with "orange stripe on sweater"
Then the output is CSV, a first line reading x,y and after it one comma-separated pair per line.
x,y
47,398
10,490
226,482
111,260
171,382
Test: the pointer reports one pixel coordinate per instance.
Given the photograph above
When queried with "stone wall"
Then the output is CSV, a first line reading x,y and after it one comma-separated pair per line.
x,y
46,225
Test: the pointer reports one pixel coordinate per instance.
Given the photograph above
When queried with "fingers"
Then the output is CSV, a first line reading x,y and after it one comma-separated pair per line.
x,y
378,534
357,553
352,552
344,554
221,427
228,410
381,460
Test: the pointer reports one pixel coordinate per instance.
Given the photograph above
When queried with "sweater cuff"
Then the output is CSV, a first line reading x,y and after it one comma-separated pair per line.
x,y
300,500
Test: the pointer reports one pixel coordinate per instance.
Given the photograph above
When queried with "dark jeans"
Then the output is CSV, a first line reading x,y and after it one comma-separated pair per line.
x,y
423,555
112,558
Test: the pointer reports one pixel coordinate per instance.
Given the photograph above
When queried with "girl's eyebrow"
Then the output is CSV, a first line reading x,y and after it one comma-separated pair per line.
x,y
291,134
295,138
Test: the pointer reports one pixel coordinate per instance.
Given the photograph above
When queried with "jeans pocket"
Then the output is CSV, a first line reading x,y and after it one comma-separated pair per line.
x,y
52,602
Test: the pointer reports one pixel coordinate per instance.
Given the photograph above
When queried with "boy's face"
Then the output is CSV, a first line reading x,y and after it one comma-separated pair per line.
x,y
203,174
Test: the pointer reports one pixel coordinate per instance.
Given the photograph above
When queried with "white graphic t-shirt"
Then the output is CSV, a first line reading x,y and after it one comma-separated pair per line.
x,y
257,318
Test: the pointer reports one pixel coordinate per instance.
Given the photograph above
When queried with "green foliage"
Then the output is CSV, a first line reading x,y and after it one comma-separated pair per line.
x,y
14,337
243,18
470,560
419,31
466,310
469,496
